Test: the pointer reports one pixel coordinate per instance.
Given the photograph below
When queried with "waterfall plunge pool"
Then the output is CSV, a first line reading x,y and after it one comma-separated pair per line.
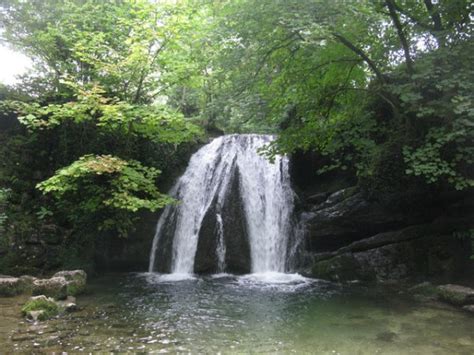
x,y
263,313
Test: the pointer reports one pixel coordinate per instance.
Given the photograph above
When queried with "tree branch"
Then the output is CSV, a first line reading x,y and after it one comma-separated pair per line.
x,y
401,34
361,54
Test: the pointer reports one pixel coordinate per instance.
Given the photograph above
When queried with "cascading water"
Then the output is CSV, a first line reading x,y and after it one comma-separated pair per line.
x,y
265,198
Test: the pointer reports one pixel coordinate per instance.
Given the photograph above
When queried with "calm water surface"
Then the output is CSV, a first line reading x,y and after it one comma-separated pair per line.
x,y
252,314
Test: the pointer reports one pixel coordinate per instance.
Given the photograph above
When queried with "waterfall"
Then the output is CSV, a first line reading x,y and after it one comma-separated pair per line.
x,y
208,210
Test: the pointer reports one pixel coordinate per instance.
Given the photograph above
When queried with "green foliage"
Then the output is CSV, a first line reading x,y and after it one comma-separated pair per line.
x,y
103,183
345,88
3,202
440,106
49,308
382,90
99,84
154,122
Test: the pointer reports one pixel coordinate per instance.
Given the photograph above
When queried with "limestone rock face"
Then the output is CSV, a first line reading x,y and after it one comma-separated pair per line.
x,y
344,217
76,281
55,287
456,294
236,236
409,254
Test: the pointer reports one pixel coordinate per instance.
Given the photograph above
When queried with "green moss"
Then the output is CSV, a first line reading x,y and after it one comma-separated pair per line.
x,y
340,268
49,307
73,289
455,298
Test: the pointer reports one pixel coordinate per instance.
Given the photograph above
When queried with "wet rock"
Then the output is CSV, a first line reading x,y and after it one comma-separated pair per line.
x,y
235,235
164,252
76,281
415,252
318,198
56,287
10,286
36,315
346,216
206,261
68,305
456,294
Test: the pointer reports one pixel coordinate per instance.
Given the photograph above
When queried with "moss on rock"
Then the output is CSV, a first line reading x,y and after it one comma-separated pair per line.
x,y
45,306
10,286
76,281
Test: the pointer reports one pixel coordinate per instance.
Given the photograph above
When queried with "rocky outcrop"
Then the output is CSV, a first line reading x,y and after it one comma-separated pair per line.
x,y
205,261
236,238
409,254
349,236
60,286
346,216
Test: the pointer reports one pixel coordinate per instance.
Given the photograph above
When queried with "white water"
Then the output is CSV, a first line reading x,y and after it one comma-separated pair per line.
x,y
265,192
220,245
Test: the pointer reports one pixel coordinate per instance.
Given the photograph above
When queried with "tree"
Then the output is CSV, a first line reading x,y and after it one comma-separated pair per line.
x,y
103,67
324,75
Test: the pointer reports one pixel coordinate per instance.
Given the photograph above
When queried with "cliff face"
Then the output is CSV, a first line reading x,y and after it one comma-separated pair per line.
x,y
349,236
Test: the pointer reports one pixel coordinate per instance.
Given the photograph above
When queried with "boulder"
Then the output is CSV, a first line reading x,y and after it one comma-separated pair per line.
x,y
76,281
10,286
36,315
55,287
456,294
